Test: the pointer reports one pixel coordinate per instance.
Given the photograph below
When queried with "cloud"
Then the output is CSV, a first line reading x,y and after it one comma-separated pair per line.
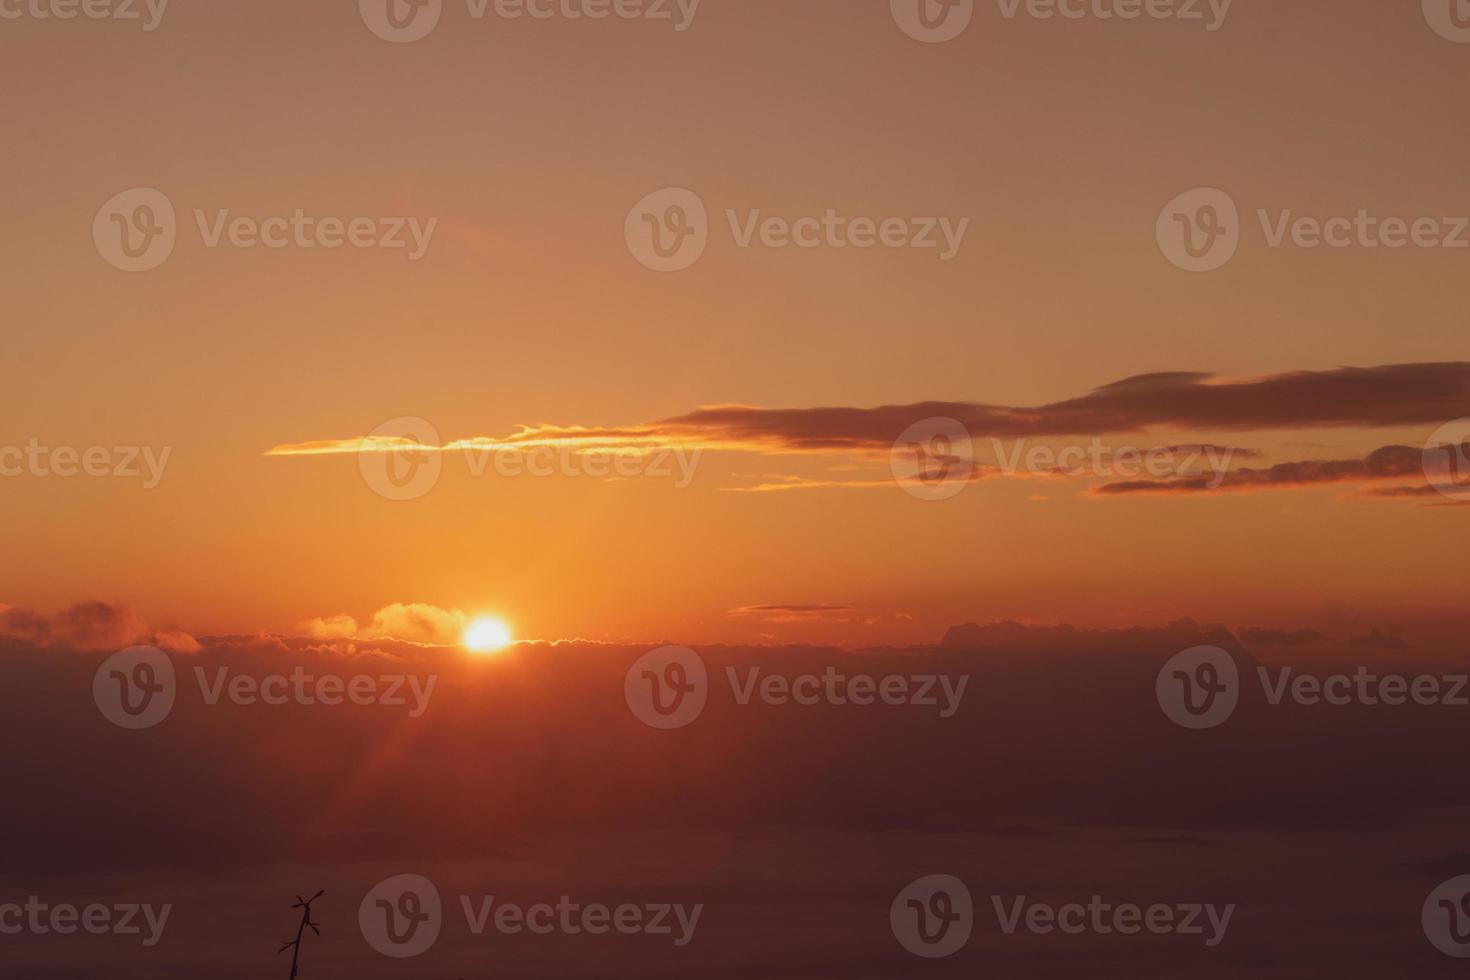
x,y
1209,449
1387,463
87,627
176,641
1390,395
1431,495
1401,492
796,613
331,628
408,622
1087,750
1378,396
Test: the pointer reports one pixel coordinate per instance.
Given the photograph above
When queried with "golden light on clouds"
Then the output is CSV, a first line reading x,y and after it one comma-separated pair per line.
x,y
486,635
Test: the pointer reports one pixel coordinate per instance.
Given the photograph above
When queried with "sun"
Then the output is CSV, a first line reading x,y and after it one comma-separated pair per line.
x,y
486,635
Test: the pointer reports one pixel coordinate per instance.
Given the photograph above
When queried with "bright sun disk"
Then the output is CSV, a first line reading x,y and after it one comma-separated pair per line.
x,y
486,635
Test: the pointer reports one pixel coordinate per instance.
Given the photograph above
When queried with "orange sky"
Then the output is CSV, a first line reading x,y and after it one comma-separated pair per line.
x,y
528,142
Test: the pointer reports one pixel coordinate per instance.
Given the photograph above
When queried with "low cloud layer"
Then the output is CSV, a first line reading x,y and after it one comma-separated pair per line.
x,y
1058,723
88,626
407,622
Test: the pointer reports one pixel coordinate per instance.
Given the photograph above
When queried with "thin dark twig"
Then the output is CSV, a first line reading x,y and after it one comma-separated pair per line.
x,y
304,904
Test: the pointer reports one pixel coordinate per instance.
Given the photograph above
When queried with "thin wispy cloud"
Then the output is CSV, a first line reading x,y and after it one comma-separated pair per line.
x,y
1387,463
1390,395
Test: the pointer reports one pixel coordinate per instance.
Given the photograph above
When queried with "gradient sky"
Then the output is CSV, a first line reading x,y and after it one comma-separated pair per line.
x,y
529,142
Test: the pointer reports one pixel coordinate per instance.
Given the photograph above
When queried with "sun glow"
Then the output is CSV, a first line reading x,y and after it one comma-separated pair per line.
x,y
486,635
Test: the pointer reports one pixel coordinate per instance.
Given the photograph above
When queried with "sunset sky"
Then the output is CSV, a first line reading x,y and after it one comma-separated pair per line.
x,y
528,142
885,475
